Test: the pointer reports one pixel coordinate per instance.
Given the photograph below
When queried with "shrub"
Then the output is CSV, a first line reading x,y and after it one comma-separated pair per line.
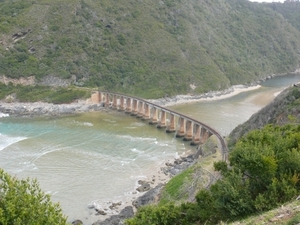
x,y
23,202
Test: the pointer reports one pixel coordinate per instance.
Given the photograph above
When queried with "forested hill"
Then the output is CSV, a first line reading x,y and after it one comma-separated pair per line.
x,y
146,48
290,11
285,109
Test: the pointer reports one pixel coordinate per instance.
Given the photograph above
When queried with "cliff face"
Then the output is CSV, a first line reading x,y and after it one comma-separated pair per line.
x,y
284,109
146,48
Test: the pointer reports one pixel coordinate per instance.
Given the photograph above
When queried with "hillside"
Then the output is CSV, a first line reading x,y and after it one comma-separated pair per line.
x,y
145,48
289,10
283,110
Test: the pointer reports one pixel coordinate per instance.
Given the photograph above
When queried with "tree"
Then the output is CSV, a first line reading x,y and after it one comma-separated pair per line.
x,y
23,202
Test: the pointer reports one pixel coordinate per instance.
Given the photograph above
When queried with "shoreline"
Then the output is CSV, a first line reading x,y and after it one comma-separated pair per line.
x,y
31,109
209,96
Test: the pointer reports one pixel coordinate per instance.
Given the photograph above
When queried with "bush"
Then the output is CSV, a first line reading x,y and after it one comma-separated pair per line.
x,y
23,202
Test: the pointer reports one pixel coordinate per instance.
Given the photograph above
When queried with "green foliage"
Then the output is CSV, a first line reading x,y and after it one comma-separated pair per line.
x,y
42,93
164,215
284,109
23,202
295,220
173,189
264,173
127,47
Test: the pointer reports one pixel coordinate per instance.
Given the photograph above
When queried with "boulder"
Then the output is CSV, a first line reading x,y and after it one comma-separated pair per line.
x,y
77,222
144,187
126,213
149,197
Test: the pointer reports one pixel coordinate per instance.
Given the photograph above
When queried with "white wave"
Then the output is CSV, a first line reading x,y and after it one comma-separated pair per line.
x,y
87,124
109,120
3,115
137,151
136,138
130,127
6,141
138,124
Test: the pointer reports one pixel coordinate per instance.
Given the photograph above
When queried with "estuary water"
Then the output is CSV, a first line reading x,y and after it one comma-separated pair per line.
x,y
96,158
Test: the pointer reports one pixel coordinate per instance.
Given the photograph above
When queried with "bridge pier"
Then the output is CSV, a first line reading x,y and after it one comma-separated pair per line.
x,y
121,108
140,110
147,112
171,127
162,122
107,100
153,119
114,105
135,108
96,97
189,131
196,136
181,131
128,105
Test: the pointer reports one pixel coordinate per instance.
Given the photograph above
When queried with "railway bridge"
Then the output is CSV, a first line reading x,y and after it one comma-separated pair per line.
x,y
184,126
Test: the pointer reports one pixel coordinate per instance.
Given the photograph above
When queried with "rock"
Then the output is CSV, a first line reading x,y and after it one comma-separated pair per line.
x,y
126,213
100,212
168,164
115,205
144,187
77,222
149,197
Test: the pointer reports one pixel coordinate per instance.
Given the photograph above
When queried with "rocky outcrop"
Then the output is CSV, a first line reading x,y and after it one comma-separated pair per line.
x,y
149,197
23,80
55,81
46,109
126,213
179,165
144,186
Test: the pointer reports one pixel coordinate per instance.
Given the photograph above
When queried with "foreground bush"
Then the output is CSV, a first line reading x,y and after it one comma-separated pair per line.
x,y
22,202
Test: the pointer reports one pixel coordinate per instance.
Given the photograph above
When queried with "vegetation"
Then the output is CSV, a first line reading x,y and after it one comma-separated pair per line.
x,y
283,110
263,173
23,202
41,93
290,11
172,45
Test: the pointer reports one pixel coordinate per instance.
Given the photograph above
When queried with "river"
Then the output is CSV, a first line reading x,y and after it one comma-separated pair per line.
x,y
96,158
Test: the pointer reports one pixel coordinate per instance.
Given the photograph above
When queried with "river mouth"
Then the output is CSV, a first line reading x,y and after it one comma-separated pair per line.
x,y
99,157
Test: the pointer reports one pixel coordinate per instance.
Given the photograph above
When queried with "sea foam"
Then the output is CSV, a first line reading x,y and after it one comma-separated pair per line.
x,y
3,114
6,141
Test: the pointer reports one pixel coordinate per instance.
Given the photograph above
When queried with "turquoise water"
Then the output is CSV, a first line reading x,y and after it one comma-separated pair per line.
x,y
85,159
98,157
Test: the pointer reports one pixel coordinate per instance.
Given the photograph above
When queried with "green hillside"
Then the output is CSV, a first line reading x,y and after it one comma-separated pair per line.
x,y
289,10
146,48
283,110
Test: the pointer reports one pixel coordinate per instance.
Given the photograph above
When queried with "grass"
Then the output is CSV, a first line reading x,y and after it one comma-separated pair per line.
x,y
184,186
287,214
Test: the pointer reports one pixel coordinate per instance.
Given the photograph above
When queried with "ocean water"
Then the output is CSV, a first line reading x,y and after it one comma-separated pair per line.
x,y
86,159
95,158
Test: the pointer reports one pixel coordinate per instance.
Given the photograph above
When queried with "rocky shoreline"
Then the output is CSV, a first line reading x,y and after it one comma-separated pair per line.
x,y
151,194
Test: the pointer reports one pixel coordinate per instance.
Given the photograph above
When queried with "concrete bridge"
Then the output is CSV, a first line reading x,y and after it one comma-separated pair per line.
x,y
185,127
